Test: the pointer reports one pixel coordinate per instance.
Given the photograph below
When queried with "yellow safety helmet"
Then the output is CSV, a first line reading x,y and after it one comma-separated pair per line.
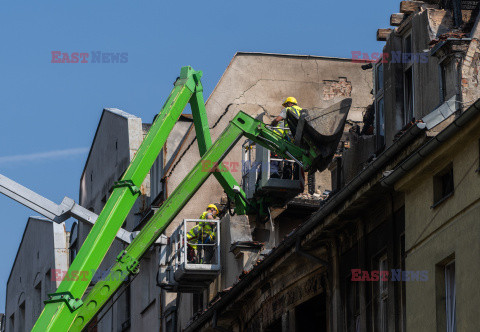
x,y
213,206
289,100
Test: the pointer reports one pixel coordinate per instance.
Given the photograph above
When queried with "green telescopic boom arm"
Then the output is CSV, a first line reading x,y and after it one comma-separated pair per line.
x,y
65,311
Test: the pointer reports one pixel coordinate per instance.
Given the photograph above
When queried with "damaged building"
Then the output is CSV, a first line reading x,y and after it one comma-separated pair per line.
x,y
393,206
383,239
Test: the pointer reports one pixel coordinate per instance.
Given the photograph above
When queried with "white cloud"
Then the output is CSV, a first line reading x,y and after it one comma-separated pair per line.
x,y
32,157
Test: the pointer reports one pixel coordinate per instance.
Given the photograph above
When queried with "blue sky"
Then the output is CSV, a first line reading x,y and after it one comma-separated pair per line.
x,y
49,111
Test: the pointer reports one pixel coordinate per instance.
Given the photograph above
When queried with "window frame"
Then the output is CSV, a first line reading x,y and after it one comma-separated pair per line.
x,y
440,192
449,275
380,294
442,78
408,114
380,140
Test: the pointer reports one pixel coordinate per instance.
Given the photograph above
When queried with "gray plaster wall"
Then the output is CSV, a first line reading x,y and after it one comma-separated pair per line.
x,y
116,141
42,251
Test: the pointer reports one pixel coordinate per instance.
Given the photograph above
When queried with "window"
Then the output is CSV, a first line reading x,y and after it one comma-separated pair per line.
x,y
379,78
128,298
380,124
37,301
443,185
408,86
403,299
407,44
408,94
21,318
450,297
146,282
445,292
73,242
48,284
456,7
379,107
443,81
380,296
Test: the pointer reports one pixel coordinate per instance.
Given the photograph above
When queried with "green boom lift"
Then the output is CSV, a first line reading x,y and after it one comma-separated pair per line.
x,y
65,310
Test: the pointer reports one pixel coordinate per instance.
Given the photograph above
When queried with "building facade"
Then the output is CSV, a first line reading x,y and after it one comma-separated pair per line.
x,y
37,271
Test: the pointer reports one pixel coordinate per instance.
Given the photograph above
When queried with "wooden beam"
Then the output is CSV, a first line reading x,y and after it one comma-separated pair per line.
x,y
382,34
397,19
410,7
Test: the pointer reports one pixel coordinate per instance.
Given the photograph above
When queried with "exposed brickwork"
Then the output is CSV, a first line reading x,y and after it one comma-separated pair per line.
x,y
340,88
471,73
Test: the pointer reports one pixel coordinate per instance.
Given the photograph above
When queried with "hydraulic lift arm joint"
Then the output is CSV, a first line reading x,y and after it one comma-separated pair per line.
x,y
127,183
131,264
66,297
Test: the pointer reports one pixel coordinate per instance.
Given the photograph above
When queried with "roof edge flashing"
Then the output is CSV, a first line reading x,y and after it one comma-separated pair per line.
x,y
430,146
304,56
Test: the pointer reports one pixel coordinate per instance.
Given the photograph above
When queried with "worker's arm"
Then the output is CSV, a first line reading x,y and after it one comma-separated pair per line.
x,y
280,117
276,121
193,233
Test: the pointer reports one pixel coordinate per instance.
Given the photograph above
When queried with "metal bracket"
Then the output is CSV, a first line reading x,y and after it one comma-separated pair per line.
x,y
127,183
130,262
67,297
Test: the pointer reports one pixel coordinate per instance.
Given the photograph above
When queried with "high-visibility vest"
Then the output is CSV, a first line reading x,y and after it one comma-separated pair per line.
x,y
295,110
204,232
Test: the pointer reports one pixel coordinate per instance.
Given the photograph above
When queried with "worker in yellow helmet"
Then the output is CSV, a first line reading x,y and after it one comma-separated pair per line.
x,y
210,213
284,169
290,105
200,236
